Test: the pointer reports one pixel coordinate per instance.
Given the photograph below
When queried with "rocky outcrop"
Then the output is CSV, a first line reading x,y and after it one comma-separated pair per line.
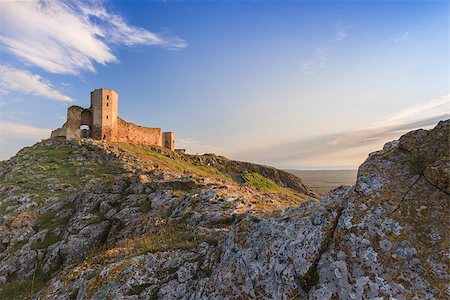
x,y
124,222
237,169
392,238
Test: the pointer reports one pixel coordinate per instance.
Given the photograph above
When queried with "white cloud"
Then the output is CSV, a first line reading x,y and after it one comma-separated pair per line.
x,y
350,149
341,34
193,146
422,115
12,79
317,63
10,129
404,36
70,36
14,136
423,110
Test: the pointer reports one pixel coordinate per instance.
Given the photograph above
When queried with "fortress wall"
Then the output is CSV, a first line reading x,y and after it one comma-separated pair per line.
x,y
59,131
73,122
169,140
135,134
104,124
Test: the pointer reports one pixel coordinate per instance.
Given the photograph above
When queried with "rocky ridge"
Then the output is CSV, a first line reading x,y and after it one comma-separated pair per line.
x,y
90,220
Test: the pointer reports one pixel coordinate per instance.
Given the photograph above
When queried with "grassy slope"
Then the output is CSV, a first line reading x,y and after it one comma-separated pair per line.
x,y
65,169
48,172
170,161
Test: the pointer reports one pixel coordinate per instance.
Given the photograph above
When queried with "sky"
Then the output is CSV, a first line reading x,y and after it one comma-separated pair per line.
x,y
293,84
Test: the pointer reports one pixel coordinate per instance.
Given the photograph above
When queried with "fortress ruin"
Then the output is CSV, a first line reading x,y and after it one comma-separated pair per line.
x,y
101,122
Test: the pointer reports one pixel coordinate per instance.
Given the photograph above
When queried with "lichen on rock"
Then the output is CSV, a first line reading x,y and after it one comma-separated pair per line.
x,y
93,220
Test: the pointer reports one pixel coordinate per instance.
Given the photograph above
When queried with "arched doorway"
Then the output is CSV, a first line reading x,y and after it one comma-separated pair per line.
x,y
86,124
85,131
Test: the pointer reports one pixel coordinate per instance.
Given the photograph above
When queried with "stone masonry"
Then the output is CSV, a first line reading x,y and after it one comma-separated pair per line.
x,y
101,122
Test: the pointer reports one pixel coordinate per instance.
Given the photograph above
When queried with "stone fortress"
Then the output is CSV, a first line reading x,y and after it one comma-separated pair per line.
x,y
101,122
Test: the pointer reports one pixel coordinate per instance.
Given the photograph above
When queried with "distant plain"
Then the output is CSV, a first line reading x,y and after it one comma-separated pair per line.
x,y
322,181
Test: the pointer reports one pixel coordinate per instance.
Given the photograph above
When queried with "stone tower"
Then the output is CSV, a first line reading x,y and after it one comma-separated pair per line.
x,y
104,106
168,140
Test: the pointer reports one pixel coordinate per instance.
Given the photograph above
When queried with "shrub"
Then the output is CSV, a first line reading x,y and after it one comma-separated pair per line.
x,y
416,164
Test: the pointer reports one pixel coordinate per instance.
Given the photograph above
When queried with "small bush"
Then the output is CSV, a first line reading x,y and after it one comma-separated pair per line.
x,y
416,164
310,279
49,239
137,289
145,207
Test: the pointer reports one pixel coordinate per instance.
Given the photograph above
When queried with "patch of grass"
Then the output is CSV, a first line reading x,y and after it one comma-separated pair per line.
x,y
52,171
137,289
173,163
16,247
261,182
46,221
21,290
224,222
145,207
286,196
49,239
171,236
310,279
97,219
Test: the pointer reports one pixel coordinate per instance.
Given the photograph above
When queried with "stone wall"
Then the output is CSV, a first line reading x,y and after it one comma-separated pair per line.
x,y
169,140
73,122
135,134
59,131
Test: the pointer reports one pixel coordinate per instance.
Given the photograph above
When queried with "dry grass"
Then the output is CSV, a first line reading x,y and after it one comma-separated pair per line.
x,y
174,235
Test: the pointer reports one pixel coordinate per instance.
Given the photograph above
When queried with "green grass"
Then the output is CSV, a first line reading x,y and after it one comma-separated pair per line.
x,y
171,236
173,163
286,196
145,207
21,290
137,289
58,165
262,183
49,239
46,221
310,279
18,246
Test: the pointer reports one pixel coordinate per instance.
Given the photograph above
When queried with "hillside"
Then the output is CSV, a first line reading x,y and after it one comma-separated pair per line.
x,y
91,220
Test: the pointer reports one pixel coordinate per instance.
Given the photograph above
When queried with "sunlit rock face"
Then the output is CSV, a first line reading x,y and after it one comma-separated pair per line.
x,y
392,237
100,221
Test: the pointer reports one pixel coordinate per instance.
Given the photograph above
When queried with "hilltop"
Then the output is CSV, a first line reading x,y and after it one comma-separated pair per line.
x,y
95,220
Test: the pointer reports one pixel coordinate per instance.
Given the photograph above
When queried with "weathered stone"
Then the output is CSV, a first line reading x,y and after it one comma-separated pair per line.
x,y
150,231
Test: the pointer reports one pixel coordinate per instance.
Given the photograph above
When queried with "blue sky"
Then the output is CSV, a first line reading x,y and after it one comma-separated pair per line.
x,y
295,84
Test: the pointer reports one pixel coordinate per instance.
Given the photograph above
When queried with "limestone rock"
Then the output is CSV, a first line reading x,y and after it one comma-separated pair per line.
x,y
145,223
